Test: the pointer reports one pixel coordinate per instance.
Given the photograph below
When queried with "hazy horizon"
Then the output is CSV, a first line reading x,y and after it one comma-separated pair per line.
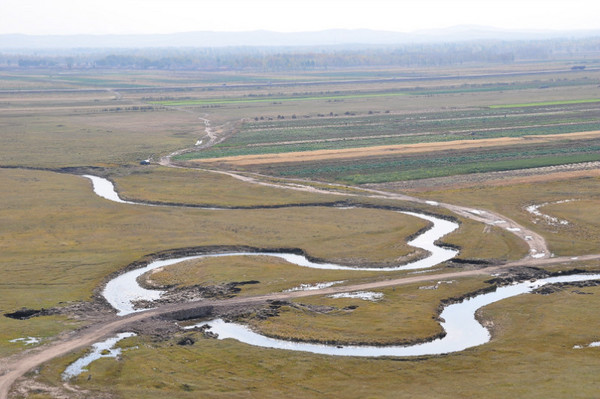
x,y
137,17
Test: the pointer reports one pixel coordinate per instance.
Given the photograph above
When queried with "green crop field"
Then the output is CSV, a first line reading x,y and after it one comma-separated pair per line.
x,y
426,165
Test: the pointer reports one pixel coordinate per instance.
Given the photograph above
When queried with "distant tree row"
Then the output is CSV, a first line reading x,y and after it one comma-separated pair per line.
x,y
301,58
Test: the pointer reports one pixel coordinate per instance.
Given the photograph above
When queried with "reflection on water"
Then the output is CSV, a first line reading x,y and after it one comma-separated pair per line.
x,y
100,349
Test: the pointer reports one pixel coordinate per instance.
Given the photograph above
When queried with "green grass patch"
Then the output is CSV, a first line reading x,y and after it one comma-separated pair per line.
x,y
544,103
274,99
404,314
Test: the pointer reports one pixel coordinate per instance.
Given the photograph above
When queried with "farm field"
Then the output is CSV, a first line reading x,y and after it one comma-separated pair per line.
x,y
356,146
320,163
393,163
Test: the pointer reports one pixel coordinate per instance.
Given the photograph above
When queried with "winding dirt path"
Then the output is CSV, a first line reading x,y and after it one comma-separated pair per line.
x,y
536,243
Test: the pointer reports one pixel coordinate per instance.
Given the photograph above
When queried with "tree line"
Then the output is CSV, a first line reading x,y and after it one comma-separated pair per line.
x,y
308,58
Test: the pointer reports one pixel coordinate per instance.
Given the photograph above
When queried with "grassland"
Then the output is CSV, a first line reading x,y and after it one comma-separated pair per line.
x,y
196,187
65,129
403,315
531,356
60,242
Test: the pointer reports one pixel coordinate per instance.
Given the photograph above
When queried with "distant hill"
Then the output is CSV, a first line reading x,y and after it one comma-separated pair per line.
x,y
268,38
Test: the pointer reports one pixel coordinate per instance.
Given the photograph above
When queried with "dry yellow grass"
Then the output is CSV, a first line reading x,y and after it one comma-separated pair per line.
x,y
59,240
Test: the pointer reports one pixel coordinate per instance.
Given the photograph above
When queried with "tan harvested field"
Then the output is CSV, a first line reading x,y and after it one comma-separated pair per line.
x,y
377,151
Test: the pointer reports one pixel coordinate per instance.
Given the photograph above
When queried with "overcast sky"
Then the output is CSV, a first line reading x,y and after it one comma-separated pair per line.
x,y
39,17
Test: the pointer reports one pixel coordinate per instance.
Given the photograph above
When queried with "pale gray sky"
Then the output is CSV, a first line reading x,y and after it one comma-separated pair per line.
x,y
40,17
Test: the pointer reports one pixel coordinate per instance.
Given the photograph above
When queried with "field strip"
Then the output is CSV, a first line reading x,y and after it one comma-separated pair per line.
x,y
387,136
271,99
397,114
541,104
399,149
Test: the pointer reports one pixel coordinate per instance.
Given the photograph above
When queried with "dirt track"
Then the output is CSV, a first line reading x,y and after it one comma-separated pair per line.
x,y
537,244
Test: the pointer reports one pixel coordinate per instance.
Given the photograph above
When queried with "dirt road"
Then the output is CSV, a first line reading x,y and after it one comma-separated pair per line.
x,y
536,243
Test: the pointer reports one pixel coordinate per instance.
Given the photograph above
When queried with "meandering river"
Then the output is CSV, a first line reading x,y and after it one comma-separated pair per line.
x,y
462,329
123,291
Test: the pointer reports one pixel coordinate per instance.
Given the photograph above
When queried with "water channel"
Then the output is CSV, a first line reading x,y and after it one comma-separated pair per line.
x,y
123,290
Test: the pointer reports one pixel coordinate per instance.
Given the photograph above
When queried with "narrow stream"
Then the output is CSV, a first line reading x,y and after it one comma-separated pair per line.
x,y
462,328
123,290
105,188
